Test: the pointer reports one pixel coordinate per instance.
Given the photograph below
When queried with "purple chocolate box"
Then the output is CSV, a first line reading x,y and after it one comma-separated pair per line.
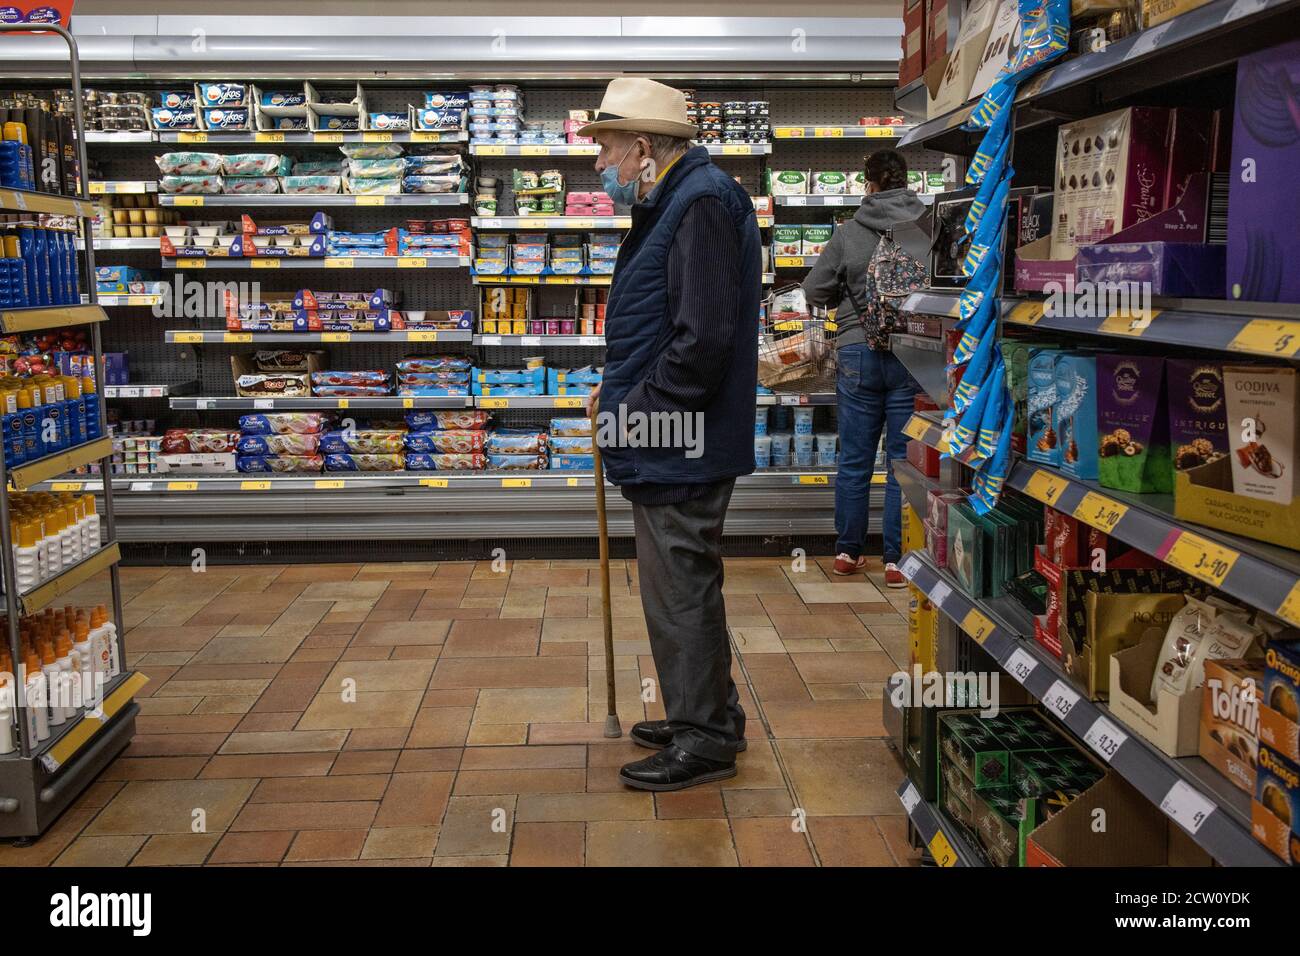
x,y
1181,269
1263,255
1198,413
1133,424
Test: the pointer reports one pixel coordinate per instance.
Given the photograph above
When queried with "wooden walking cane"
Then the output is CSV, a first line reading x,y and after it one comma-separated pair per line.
x,y
613,728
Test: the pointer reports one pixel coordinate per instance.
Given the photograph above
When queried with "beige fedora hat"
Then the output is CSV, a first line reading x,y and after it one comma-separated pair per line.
x,y
642,106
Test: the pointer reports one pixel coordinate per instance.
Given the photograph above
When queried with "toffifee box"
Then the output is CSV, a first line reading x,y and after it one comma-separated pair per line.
x,y
1230,718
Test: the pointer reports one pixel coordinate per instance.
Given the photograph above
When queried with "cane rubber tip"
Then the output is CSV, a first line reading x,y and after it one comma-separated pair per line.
x,y
612,726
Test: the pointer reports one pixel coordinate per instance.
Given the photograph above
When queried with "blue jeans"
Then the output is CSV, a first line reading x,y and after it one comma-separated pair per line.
x,y
875,392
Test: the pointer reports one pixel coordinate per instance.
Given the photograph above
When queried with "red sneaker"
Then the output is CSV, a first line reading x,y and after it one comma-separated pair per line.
x,y
844,564
894,577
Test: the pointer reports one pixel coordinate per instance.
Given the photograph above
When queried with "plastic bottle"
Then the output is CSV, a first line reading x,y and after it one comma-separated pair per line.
x,y
50,669
92,523
8,709
90,392
84,665
104,636
54,546
38,718
27,564
69,537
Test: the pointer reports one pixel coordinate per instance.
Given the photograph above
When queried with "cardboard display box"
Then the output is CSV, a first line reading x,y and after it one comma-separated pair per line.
x,y
1136,833
1229,739
948,77
911,63
1203,495
1275,809
1279,706
1172,722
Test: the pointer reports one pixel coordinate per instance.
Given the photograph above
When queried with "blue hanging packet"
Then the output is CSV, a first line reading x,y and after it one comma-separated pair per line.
x,y
988,483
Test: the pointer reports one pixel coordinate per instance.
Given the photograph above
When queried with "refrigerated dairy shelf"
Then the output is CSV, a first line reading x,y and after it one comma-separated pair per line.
x,y
541,280
212,337
840,132
551,222
317,262
329,199
122,187
305,137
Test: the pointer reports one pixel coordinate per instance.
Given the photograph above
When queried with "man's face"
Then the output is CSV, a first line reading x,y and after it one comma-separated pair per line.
x,y
618,148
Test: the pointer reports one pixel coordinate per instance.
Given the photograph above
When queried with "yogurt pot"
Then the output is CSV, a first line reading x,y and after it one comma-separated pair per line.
x,y
760,421
826,448
762,451
803,449
780,449
803,421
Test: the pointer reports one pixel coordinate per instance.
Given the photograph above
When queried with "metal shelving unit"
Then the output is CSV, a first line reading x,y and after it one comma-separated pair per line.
x,y
40,779
839,132
210,337
304,201
317,262
944,842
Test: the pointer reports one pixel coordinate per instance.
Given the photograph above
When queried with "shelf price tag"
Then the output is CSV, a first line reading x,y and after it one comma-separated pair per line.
x,y
187,201
343,403
940,593
1026,313
516,482
1020,664
828,131
336,336
141,486
370,200
65,486
570,402
1060,699
735,150
264,403
1265,337
97,189
261,263
370,136
182,486
1290,608
421,335
1186,807
490,150
591,340
910,797
237,336
262,485
1105,738
814,479
1045,486
572,482
977,625
795,201
1125,322
327,137
340,262
1201,557
916,428
269,138
433,482
187,338
191,137
910,566
941,850
1099,511
534,151
493,402
330,483
191,263
408,403
412,262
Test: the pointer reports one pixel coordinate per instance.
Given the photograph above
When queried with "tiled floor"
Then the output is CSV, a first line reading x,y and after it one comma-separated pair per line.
x,y
448,714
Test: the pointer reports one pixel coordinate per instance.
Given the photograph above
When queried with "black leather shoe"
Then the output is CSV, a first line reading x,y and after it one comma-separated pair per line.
x,y
658,734
674,769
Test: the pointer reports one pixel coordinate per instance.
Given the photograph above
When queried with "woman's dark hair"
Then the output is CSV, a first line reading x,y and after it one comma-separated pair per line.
x,y
887,169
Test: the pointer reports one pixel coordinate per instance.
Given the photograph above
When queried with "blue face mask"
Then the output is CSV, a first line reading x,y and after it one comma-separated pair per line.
x,y
623,193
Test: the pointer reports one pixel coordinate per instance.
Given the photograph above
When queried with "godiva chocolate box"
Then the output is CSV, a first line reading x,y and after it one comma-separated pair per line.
x,y
1262,408
1198,412
1133,424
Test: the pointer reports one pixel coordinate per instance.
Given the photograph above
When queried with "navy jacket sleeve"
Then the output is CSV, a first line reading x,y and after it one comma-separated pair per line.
x,y
703,273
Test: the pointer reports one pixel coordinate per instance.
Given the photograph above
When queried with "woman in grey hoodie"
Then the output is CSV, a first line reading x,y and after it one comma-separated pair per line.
x,y
874,389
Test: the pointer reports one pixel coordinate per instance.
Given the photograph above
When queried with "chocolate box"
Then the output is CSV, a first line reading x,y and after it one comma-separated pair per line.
x,y
1263,256
1262,408
1111,172
1198,412
1133,424
1075,413
1175,269
1279,708
911,62
1275,809
1230,718
1042,443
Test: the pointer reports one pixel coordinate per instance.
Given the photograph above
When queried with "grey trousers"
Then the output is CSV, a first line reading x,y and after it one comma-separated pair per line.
x,y
679,565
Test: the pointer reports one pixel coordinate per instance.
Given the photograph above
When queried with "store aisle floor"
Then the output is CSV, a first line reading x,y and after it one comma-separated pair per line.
x,y
448,714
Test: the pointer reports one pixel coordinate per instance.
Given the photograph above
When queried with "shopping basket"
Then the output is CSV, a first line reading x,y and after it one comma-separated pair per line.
x,y
796,344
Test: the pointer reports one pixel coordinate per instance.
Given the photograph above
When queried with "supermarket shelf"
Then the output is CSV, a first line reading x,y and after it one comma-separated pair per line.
x,y
122,187
848,199
794,262
839,132
319,262
812,398
137,244
24,476
542,280
915,486
146,300
531,401
50,317
150,391
944,133
198,337
910,100
331,199
946,844
46,593
924,358
1256,328
1192,44
1261,575
541,341
933,302
1178,786
592,149
314,403
551,222
24,200
120,137
66,740
927,428
305,137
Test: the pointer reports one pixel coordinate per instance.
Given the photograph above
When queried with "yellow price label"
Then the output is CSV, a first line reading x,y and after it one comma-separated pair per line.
x,y
191,137
567,402
977,625
269,138
330,483
788,132
916,428
237,337
1026,313
262,485
182,486
66,485
790,262
412,262
1127,322
434,482
408,403
340,262
831,131
1201,557
140,300
1045,486
516,482
581,223
1267,337
336,336
187,338
97,189
493,402
490,150
329,137
814,480
534,151
379,200
879,132
266,263
941,850
532,223
732,150
187,201
191,263
1290,609
425,136
572,482
369,136
343,403
422,335
1099,511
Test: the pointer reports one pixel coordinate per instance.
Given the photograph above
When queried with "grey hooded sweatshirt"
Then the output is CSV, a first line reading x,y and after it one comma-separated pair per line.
x,y
845,258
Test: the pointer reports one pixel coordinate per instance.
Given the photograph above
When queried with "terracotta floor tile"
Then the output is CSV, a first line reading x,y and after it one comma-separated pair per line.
x,y
321,789
176,849
493,639
364,761
367,652
45,850
97,795
629,805
563,649
326,845
463,697
801,627
261,723
496,735
486,782
849,841
440,727
476,826
160,706
292,741
429,760
400,843
167,806
200,671
305,816
758,803
226,705
415,799
557,607
841,667
776,684
843,777
510,672
212,688
373,676
770,842
379,709
836,691
345,590
692,804
154,768
402,632
828,718
531,705
524,758
416,652
167,745
268,765
188,724
757,640
100,851
378,738
644,843
470,861
269,847
548,844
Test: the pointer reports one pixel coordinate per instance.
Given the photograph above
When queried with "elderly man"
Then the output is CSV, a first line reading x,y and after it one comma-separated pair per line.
x,y
676,409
